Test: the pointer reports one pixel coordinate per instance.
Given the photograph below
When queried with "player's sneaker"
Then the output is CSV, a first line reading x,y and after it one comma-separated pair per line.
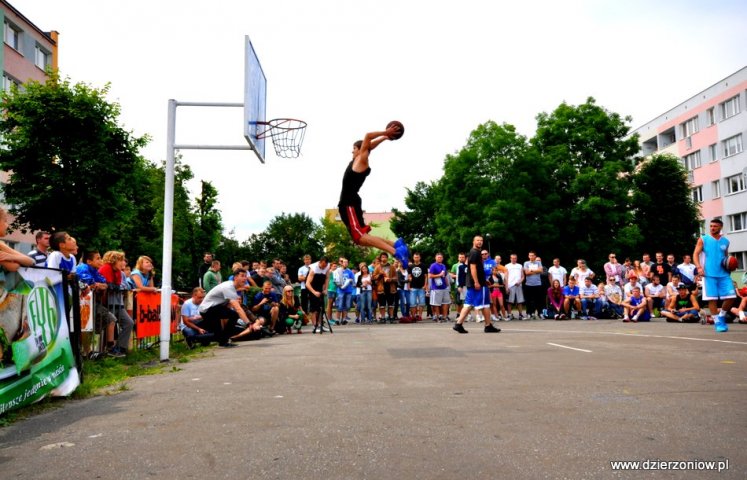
x,y
401,254
459,328
491,329
720,324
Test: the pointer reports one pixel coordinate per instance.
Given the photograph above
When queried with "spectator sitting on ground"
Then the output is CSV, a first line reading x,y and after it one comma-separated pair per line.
x,y
632,283
88,274
266,305
614,295
290,314
739,310
655,295
636,308
591,306
683,307
671,288
212,277
555,301
39,254
604,308
143,277
572,294
190,319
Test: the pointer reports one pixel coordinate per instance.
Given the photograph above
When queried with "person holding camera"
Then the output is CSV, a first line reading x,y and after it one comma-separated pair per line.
x,y
265,304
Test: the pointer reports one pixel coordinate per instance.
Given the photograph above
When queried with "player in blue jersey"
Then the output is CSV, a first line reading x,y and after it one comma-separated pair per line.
x,y
710,251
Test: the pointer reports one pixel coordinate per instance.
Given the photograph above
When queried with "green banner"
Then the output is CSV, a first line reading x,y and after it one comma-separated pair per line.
x,y
36,358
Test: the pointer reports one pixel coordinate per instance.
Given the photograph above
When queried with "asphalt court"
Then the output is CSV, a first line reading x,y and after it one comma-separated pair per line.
x,y
542,399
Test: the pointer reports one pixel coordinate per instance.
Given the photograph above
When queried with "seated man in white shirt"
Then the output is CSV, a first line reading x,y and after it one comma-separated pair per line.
x,y
655,296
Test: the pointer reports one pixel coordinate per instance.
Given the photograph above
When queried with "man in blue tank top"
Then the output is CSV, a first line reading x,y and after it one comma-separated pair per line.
x,y
351,212
710,250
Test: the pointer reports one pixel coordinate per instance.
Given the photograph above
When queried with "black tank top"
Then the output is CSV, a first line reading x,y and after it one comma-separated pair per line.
x,y
351,184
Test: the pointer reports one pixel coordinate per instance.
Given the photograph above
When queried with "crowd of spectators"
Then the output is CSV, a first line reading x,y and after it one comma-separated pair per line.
x,y
260,300
385,292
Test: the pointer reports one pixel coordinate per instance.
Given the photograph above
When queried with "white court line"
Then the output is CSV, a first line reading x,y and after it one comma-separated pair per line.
x,y
569,348
625,334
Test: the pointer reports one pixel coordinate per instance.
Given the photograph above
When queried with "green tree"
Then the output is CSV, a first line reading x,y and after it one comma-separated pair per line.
x,y
209,224
337,243
664,211
73,167
419,229
590,158
471,197
145,237
290,237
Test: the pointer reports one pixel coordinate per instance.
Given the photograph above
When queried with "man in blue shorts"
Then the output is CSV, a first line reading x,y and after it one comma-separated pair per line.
x,y
478,293
710,251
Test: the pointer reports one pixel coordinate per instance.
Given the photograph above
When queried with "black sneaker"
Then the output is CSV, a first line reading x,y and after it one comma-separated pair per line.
x,y
491,329
190,342
116,352
458,327
227,345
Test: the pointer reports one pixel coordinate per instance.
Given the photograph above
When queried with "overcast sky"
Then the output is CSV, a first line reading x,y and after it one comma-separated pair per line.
x,y
348,67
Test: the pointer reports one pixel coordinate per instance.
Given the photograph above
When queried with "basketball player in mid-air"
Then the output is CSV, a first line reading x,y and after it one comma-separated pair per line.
x,y
350,208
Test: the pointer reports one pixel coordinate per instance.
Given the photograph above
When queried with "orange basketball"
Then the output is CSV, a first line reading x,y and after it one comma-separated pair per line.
x,y
730,263
401,128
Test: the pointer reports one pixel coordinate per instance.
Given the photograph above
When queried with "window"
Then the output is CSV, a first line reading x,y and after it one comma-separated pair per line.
x,y
702,227
692,161
689,127
730,107
735,184
716,188
732,145
41,57
713,152
741,257
697,193
738,222
12,36
710,117
8,82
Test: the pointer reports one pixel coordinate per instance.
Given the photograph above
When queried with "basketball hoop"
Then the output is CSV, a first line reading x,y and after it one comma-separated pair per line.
x,y
287,135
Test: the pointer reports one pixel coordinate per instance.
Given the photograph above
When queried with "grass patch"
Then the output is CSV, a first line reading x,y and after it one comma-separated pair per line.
x,y
108,376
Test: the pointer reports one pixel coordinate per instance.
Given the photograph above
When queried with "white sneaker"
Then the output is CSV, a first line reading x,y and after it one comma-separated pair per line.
x,y
470,318
480,318
741,316
493,318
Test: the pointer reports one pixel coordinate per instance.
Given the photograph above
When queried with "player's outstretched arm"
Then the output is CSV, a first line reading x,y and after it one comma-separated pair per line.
x,y
372,140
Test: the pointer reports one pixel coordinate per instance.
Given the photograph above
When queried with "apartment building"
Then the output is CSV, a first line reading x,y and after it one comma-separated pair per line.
x,y
708,131
27,53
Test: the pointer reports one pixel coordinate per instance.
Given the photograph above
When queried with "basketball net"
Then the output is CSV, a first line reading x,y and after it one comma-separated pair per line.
x,y
287,136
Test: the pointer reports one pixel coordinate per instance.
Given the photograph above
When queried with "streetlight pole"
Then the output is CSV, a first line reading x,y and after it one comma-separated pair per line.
x,y
487,235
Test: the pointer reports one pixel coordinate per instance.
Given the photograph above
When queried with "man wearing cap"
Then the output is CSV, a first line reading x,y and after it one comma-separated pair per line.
x,y
682,307
633,283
